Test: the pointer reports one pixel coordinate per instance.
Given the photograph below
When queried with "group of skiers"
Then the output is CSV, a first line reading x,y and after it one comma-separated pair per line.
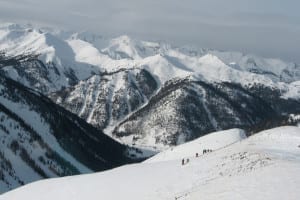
x,y
183,161
207,151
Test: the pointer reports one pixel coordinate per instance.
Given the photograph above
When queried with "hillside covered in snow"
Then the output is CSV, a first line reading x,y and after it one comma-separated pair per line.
x,y
264,166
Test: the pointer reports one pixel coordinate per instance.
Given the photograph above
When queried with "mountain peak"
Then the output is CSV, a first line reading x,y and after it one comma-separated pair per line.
x,y
122,47
211,59
125,39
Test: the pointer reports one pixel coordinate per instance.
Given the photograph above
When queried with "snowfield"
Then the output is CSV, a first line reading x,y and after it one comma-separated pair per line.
x,y
212,141
263,166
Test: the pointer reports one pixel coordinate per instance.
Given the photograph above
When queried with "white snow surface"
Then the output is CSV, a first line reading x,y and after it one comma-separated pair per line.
x,y
212,141
264,166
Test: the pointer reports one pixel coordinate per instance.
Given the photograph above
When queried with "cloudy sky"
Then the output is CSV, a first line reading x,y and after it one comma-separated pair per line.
x,y
265,27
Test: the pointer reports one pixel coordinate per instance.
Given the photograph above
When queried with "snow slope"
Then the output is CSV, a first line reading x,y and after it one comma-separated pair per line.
x,y
263,166
212,141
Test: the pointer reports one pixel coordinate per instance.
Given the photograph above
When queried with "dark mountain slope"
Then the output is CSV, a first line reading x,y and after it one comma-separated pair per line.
x,y
46,140
184,110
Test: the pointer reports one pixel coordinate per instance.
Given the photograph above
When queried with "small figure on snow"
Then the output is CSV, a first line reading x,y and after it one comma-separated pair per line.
x,y
182,162
197,155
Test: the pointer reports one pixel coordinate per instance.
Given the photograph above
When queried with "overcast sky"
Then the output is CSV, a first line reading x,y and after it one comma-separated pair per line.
x,y
269,28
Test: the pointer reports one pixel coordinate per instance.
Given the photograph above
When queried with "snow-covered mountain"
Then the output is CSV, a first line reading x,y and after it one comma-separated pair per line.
x,y
51,65
40,139
184,110
264,166
104,99
150,94
81,54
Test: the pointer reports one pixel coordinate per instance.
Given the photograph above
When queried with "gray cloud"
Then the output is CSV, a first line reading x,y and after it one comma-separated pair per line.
x,y
267,27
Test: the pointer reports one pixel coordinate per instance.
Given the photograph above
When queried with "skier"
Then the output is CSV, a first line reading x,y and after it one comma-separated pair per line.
x,y
182,162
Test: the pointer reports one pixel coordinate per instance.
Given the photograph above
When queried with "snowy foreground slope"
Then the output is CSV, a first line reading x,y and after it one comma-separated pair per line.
x,y
212,141
263,166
